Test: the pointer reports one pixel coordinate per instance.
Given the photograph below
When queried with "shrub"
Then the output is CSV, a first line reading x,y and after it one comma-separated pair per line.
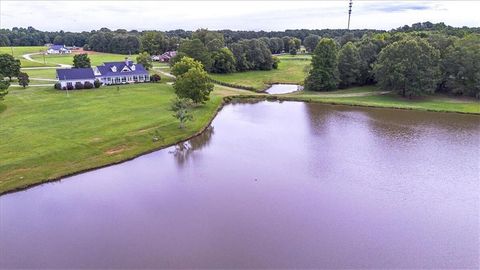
x,y
69,87
88,85
155,78
57,86
78,85
97,83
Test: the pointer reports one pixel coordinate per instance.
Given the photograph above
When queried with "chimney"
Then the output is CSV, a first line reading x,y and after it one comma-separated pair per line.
x,y
127,61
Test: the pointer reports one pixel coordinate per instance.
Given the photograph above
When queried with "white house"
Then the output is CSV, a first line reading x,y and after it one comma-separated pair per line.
x,y
58,49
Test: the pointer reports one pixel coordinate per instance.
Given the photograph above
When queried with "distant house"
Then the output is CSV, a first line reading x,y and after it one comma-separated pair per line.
x,y
70,76
165,57
109,73
58,49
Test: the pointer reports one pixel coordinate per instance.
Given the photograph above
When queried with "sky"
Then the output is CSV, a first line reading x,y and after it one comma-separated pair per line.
x,y
235,15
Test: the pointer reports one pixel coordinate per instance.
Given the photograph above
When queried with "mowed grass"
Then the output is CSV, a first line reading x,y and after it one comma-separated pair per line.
x,y
96,58
295,57
44,73
47,134
287,72
366,96
18,52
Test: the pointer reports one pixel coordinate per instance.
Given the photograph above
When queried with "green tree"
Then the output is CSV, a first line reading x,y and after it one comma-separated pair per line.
x,y
23,79
214,45
297,43
145,59
153,42
409,67
3,87
195,49
181,110
461,66
9,66
368,52
194,84
81,61
310,42
185,64
324,72
206,36
223,61
293,47
348,65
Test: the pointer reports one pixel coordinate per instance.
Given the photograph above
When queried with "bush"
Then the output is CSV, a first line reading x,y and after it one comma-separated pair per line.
x,y
276,60
64,88
88,85
97,83
57,86
78,85
155,78
69,87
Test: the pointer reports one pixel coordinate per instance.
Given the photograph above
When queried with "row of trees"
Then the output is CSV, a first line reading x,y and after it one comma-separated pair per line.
x,y
209,48
412,64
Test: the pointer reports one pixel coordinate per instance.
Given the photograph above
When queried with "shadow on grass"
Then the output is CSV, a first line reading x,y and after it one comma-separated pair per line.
x,y
3,107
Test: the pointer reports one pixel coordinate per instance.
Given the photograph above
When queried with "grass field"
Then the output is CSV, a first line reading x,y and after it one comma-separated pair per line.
x,y
440,103
45,73
19,51
295,57
50,135
96,58
287,72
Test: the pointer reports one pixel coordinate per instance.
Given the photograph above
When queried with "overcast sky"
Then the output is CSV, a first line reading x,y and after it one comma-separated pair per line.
x,y
235,15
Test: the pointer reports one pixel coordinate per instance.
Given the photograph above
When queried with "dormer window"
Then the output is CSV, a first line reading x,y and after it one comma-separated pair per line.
x,y
114,69
132,67
125,69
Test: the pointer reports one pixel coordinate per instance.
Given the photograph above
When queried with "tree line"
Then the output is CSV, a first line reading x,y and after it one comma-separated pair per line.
x,y
411,63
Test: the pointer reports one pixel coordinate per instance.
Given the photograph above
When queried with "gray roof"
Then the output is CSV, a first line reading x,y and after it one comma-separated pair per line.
x,y
75,73
106,69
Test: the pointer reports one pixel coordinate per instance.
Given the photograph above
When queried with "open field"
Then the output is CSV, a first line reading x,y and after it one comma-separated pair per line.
x,y
295,57
50,135
19,51
287,72
96,58
44,73
440,103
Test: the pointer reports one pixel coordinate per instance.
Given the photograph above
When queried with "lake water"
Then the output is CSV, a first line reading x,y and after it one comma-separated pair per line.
x,y
282,88
268,185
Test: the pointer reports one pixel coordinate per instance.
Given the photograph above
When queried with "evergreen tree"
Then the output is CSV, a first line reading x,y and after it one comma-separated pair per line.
x,y
324,72
348,65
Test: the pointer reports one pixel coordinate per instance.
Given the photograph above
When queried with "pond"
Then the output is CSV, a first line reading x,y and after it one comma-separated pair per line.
x,y
268,185
282,88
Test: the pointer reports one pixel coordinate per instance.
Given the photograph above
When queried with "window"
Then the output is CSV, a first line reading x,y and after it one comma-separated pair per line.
x,y
124,79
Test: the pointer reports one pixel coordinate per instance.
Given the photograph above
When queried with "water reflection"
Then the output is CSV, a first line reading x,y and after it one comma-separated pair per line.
x,y
184,150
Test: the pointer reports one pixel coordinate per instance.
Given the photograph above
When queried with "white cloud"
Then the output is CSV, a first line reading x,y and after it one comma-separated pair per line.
x,y
236,15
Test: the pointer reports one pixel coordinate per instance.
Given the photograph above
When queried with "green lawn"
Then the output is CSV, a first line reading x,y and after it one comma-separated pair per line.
x,y
47,134
287,72
96,58
440,103
45,73
295,57
19,51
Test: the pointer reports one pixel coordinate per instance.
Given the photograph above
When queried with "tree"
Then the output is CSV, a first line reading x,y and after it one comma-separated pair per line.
x,y
297,43
348,65
368,51
81,61
3,87
195,49
461,66
324,72
223,61
145,59
184,65
9,66
409,67
153,42
310,42
155,78
214,45
181,110
293,47
23,79
194,84
97,83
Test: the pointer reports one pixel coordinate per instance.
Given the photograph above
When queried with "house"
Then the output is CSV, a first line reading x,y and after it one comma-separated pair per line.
x,y
58,49
109,73
121,72
165,57
70,76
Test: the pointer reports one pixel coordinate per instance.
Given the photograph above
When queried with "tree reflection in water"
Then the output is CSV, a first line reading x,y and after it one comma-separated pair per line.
x,y
184,150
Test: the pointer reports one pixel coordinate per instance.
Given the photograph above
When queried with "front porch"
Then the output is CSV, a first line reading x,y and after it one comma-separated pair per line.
x,y
125,79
